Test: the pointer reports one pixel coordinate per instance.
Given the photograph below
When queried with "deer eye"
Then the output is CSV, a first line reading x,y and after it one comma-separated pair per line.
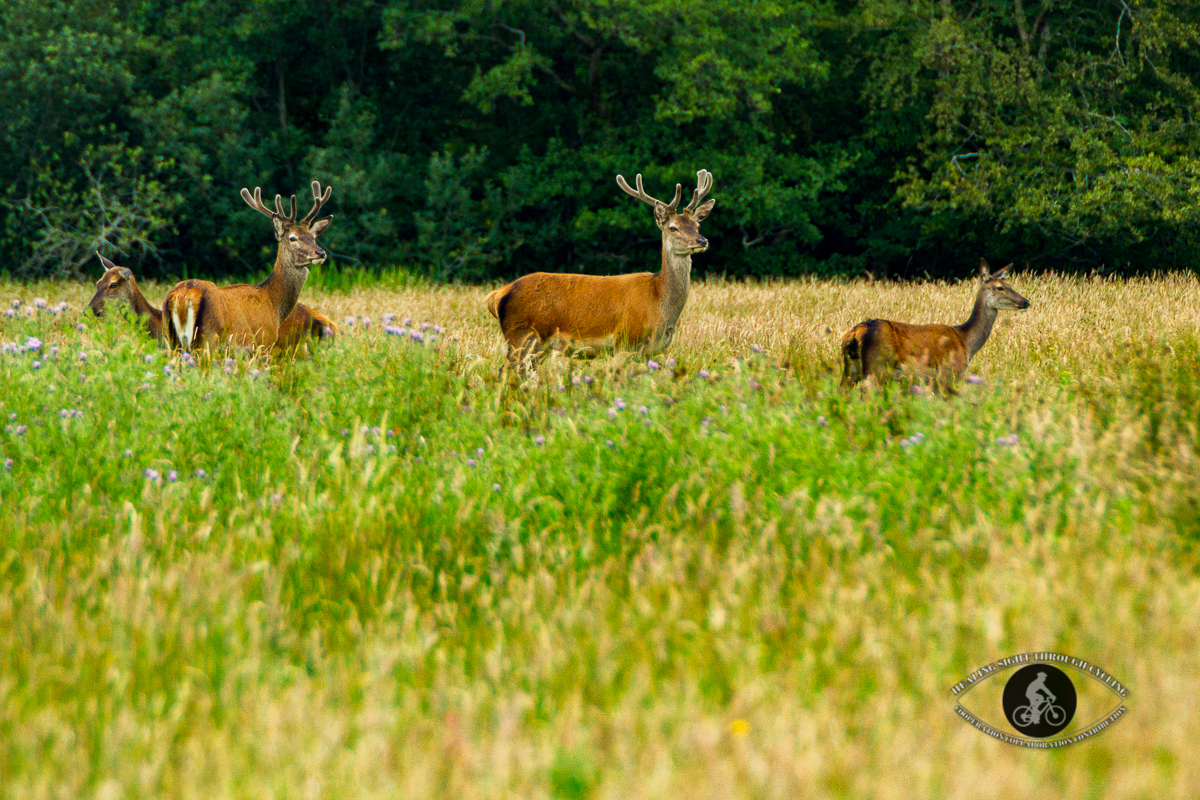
x,y
674,228
293,238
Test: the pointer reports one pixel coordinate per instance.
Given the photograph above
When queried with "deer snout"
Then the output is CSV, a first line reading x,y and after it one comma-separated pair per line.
x,y
701,242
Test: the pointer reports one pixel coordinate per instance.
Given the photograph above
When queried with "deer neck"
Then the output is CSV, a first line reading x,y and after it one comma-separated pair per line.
x,y
142,307
978,326
673,279
284,283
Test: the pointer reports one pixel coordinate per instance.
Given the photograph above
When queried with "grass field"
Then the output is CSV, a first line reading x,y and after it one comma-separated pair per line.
x,y
381,572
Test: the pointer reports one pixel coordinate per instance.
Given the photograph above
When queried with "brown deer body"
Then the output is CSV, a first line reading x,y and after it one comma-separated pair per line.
x,y
878,348
118,285
591,313
201,314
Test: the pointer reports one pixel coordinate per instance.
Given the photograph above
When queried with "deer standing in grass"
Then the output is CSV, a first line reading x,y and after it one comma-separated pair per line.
x,y
878,348
200,313
118,285
590,313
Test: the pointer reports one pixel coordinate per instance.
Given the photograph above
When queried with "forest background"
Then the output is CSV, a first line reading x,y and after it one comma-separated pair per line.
x,y
479,140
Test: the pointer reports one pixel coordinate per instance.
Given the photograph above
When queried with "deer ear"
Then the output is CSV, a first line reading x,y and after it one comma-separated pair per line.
x,y
983,269
1002,272
703,211
104,262
280,226
661,214
318,227
126,274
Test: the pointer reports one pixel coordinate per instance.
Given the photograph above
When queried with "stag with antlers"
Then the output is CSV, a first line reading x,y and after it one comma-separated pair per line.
x,y
590,313
202,314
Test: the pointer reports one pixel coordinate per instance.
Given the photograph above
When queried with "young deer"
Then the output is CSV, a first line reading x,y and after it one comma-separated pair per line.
x,y
590,313
118,285
200,313
878,347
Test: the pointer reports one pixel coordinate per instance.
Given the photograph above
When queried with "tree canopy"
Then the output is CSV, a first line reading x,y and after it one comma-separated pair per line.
x,y
480,139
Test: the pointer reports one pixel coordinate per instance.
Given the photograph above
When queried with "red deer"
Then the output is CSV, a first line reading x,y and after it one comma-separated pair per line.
x,y
200,313
879,347
591,313
118,285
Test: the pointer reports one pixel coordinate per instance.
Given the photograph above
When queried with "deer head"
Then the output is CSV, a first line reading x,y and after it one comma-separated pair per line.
x,y
996,292
681,231
117,284
297,240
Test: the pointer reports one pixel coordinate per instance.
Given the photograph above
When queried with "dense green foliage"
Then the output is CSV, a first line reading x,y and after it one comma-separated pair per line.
x,y
475,139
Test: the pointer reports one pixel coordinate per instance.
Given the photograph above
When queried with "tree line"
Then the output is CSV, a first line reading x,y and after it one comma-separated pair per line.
x,y
480,139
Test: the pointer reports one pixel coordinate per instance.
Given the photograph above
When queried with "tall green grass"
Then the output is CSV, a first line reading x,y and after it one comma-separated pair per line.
x,y
385,570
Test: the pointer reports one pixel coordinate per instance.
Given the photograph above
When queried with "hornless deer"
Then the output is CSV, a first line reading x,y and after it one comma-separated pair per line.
x,y
202,313
118,285
590,313
879,347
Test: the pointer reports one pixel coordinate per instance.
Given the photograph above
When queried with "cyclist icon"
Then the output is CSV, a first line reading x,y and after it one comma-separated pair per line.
x,y
1041,699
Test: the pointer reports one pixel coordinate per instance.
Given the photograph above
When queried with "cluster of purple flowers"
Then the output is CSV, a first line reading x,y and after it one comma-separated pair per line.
x,y
31,345
70,413
916,438
1008,441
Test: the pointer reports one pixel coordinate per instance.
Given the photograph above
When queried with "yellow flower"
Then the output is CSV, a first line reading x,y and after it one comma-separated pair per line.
x,y
739,727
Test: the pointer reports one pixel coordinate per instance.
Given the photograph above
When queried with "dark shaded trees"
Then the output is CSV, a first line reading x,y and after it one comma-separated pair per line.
x,y
474,139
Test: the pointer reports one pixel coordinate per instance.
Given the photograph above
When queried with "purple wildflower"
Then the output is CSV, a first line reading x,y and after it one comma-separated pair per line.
x,y
495,486
79,326
479,451
276,498
152,474
172,476
16,303
612,413
652,365
671,362
39,302
704,374
254,373
643,410
8,465
8,312
128,453
349,322
917,389
609,443
588,379
974,379
200,473
33,343
167,369
53,351
36,365
620,404
20,431
470,462
539,441
366,322
824,423
83,356
756,348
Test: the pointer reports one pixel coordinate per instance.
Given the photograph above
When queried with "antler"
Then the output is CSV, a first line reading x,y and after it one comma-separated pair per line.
x,y
318,201
640,194
257,204
703,184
